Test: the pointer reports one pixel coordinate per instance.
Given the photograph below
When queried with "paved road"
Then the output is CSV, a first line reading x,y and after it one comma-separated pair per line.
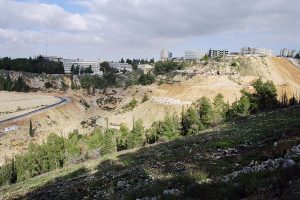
x,y
62,101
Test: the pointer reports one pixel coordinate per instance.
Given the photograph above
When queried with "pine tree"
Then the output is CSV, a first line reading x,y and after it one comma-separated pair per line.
x,y
31,131
13,172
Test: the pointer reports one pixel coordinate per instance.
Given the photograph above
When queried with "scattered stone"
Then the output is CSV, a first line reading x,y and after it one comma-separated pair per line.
x,y
293,152
287,163
172,192
121,184
208,181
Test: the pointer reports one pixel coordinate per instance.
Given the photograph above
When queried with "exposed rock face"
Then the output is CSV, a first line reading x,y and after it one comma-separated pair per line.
x,y
37,81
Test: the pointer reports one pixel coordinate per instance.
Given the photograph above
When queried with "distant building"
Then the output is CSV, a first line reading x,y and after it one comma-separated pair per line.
x,y
256,51
120,66
193,55
146,69
170,55
215,53
53,58
294,53
288,53
82,64
165,54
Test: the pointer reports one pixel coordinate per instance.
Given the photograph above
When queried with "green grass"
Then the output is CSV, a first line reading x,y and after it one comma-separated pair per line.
x,y
182,163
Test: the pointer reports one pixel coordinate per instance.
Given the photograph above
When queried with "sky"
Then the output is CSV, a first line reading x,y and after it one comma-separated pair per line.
x,y
114,29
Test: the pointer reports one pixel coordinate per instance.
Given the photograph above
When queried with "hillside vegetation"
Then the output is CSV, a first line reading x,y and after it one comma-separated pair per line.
x,y
234,140
190,167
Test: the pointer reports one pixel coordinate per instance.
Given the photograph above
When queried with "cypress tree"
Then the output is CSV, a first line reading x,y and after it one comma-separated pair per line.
x,y
31,131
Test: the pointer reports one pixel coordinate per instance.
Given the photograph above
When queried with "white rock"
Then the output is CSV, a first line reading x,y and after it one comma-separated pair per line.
x,y
287,163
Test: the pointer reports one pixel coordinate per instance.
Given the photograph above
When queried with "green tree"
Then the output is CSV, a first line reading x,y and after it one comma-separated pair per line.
x,y
284,100
136,135
109,143
31,131
205,110
266,94
122,139
220,109
169,128
191,122
293,101
146,79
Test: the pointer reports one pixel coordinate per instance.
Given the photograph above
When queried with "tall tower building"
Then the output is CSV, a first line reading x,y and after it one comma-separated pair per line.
x,y
164,54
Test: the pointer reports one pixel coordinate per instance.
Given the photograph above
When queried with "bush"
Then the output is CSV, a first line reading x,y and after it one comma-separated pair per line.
x,y
163,67
48,85
131,105
169,128
146,79
145,98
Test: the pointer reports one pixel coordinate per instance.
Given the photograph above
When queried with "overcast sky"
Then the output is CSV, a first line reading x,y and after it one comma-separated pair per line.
x,y
112,29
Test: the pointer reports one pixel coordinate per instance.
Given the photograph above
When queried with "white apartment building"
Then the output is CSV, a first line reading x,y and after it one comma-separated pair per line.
x,y
193,54
215,53
165,54
120,66
256,51
82,64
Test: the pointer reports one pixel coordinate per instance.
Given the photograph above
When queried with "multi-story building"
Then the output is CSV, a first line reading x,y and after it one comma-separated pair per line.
x,y
165,54
215,53
53,58
82,64
193,55
120,66
249,51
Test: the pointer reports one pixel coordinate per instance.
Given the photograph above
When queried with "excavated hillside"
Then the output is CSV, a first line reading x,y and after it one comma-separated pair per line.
x,y
86,111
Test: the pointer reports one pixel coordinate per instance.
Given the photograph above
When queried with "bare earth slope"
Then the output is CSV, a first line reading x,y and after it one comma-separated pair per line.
x,y
166,98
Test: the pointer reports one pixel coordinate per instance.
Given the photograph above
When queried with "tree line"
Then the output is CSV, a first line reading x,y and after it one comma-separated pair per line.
x,y
58,152
32,65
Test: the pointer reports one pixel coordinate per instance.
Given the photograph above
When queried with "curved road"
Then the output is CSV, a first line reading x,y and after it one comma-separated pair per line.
x,y
62,101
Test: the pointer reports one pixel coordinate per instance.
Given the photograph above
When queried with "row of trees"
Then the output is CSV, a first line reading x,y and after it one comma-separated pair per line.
x,y
75,70
18,85
58,152
163,67
32,65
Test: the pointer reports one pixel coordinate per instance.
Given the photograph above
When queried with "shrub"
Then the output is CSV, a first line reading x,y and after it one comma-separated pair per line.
x,y
48,85
146,79
145,98
131,105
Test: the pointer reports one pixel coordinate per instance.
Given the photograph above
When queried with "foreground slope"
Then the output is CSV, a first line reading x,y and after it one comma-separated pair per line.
x,y
192,167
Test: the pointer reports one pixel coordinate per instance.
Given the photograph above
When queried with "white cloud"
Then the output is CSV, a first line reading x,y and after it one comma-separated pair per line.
x,y
143,26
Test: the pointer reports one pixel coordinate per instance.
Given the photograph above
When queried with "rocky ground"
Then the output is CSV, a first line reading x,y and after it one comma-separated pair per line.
x,y
251,158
